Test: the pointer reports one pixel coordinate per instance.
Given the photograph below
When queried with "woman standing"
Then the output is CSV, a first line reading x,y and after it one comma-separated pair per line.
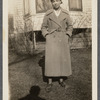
x,y
57,29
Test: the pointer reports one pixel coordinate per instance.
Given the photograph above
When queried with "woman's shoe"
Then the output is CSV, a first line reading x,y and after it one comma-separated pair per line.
x,y
63,84
49,87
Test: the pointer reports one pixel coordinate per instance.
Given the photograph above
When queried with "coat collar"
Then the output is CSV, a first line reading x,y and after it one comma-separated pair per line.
x,y
56,19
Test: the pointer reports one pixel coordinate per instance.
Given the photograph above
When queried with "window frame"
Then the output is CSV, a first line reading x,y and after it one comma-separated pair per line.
x,y
37,12
75,9
28,8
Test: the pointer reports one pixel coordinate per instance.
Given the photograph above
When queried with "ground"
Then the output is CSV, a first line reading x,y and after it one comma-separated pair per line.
x,y
27,71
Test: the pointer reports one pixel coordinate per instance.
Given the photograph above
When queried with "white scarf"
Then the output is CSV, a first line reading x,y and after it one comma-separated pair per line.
x,y
57,13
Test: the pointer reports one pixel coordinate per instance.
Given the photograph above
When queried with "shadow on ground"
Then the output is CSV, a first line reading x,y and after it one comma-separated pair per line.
x,y
42,65
27,72
19,58
34,92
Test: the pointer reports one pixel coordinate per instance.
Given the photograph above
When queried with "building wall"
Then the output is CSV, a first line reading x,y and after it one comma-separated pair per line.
x,y
80,19
33,21
19,16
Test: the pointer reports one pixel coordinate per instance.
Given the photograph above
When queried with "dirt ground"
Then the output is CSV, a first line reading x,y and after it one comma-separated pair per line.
x,y
27,81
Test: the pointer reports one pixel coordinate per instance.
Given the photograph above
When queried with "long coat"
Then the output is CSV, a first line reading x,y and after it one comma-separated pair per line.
x,y
57,30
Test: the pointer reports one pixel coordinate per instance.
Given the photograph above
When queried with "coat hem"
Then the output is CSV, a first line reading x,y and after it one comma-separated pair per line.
x,y
58,75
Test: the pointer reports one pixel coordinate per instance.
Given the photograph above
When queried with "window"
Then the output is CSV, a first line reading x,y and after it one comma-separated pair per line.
x,y
75,5
26,7
43,5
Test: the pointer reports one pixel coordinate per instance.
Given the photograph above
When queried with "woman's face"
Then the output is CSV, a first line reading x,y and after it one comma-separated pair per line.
x,y
56,4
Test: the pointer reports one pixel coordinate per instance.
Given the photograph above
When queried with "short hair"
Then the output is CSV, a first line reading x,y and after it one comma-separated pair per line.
x,y
53,0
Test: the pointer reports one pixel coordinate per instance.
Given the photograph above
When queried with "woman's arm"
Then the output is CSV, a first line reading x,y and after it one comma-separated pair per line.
x,y
44,27
70,26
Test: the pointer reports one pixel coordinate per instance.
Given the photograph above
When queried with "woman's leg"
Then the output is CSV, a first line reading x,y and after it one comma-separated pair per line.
x,y
62,83
49,80
49,85
61,80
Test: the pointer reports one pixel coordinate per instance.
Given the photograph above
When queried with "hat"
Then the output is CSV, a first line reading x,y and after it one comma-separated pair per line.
x,y
60,0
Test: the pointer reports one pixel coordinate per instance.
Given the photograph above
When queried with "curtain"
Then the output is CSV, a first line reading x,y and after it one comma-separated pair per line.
x,y
75,5
42,5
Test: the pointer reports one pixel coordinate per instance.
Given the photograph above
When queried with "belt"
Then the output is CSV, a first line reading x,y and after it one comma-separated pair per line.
x,y
60,30
57,30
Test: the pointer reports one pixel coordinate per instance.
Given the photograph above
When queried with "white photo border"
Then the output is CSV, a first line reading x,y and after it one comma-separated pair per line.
x,y
5,88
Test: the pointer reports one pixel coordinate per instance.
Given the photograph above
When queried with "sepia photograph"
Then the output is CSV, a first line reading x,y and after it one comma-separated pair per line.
x,y
50,50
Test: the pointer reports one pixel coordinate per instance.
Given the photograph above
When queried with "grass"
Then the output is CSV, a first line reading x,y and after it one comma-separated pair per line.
x,y
26,72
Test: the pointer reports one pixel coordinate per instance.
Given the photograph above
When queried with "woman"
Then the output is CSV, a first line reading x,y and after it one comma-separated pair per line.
x,y
57,28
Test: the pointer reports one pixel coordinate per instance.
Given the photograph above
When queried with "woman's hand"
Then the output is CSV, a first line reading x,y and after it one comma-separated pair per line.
x,y
46,35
